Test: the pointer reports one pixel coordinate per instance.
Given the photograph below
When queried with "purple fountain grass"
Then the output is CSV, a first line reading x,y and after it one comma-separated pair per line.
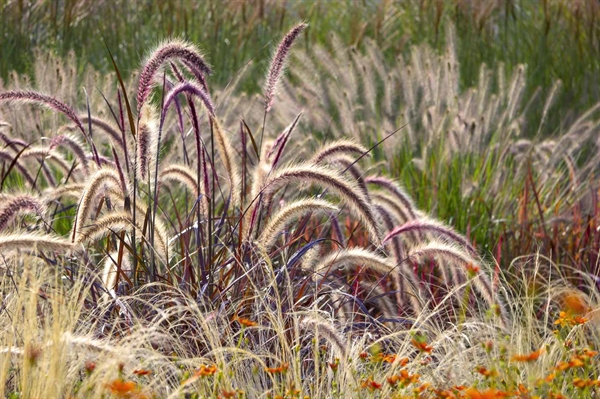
x,y
102,176
330,179
167,51
337,148
349,166
279,221
13,206
278,63
452,254
32,242
115,136
10,141
147,137
395,189
46,100
9,158
72,143
190,88
282,141
183,175
431,225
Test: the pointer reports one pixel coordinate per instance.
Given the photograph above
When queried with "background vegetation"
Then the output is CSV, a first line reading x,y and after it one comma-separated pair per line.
x,y
557,39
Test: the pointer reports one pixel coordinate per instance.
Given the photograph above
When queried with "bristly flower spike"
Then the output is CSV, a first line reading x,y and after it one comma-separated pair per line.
x,y
278,62
175,49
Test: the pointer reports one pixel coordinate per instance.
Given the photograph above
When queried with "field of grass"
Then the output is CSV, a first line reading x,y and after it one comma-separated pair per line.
x,y
332,199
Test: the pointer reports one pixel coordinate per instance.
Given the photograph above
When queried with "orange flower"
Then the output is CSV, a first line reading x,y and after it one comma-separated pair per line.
x,y
90,367
486,373
122,389
404,378
522,390
575,361
335,364
228,394
408,378
370,384
529,357
205,371
574,303
566,319
490,393
421,346
142,372
245,322
581,383
393,380
588,353
421,388
363,355
388,358
277,370
472,269
444,394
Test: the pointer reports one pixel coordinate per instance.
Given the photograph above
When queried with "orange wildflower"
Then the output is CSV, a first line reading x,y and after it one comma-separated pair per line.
x,y
444,394
486,373
472,269
522,390
408,378
277,370
245,322
588,353
335,364
422,387
490,393
205,371
529,357
566,320
370,384
363,355
581,383
393,380
404,378
90,367
574,303
122,389
575,361
228,394
421,346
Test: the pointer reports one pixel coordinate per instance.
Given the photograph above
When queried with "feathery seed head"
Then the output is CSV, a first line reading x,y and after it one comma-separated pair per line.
x,y
278,63
169,50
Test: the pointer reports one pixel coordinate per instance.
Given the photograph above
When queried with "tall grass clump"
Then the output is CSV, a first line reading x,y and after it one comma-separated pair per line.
x,y
476,156
153,249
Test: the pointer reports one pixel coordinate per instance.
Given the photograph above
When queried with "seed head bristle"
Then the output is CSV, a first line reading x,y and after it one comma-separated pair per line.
x,y
181,174
290,212
330,179
278,63
336,148
173,49
98,179
43,99
15,205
